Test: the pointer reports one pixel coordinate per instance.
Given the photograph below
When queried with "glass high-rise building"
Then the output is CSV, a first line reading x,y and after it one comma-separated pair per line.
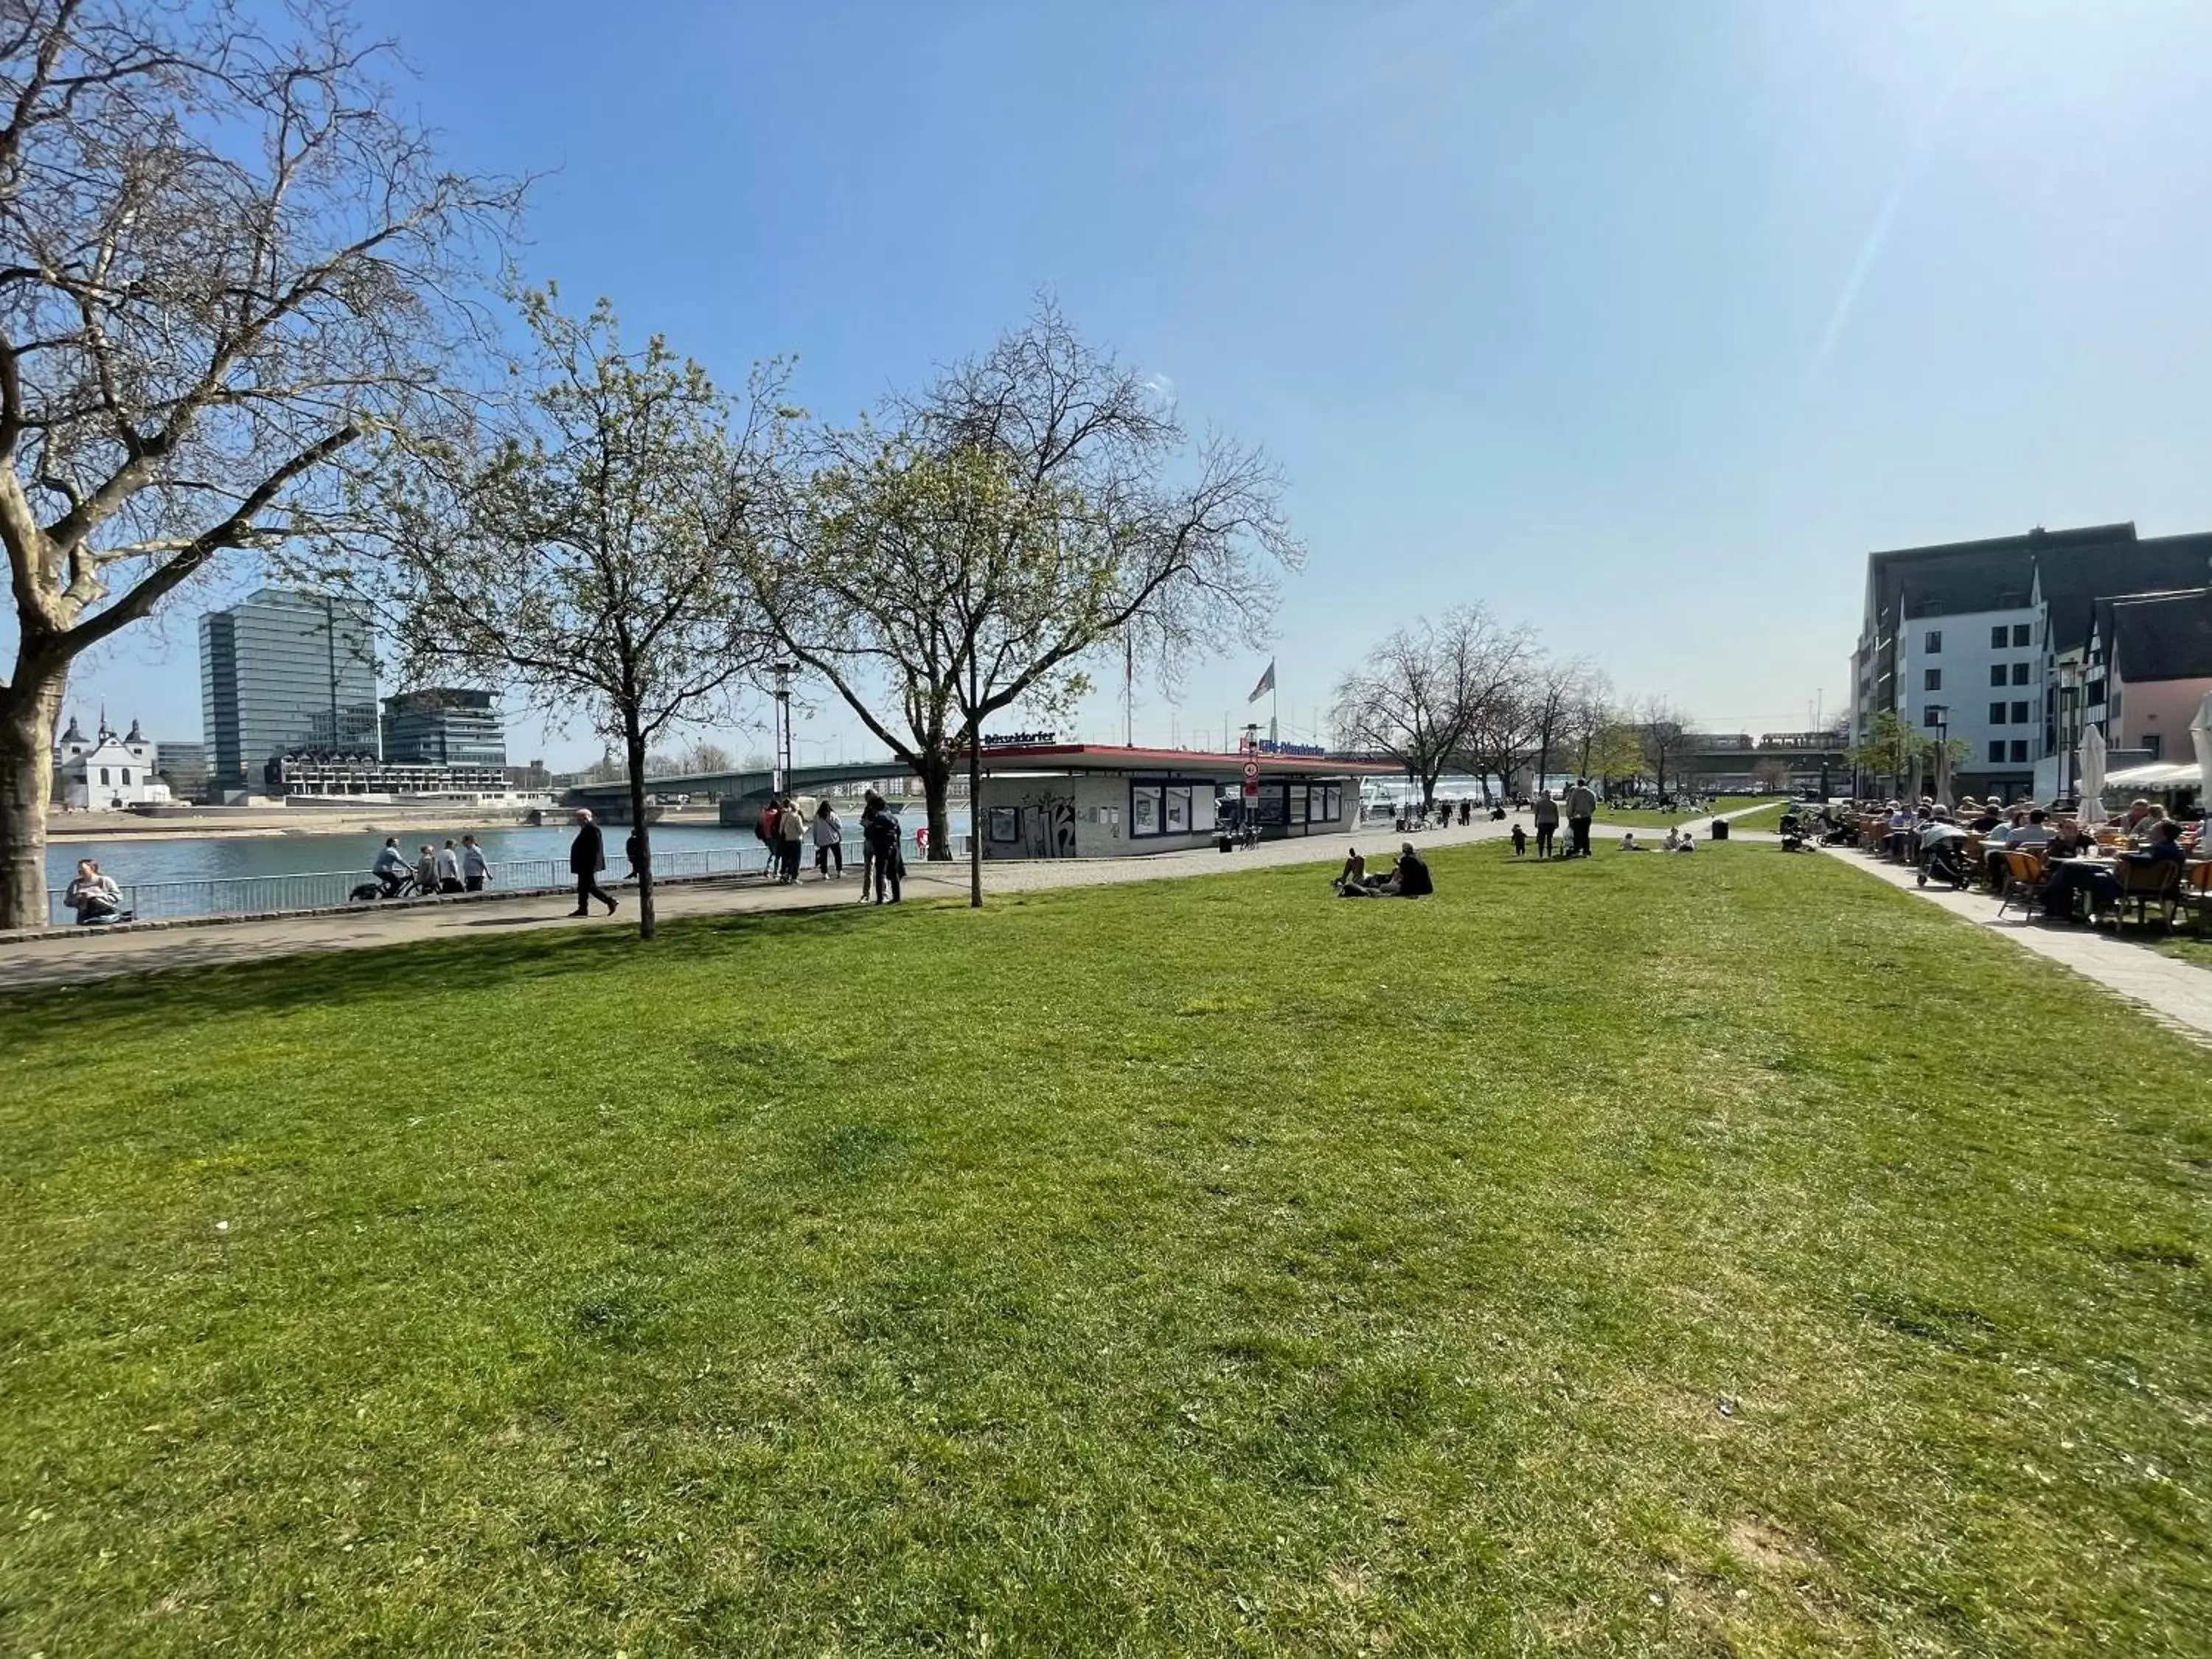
x,y
444,725
284,671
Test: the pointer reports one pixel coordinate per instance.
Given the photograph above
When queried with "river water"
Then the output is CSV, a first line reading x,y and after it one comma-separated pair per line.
x,y
206,875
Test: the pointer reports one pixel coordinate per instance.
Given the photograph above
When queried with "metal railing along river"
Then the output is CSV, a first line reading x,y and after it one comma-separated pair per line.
x,y
256,896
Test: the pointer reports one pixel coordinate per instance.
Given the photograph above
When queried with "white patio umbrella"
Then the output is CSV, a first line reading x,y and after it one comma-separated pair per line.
x,y
2093,775
1944,774
1912,783
2200,733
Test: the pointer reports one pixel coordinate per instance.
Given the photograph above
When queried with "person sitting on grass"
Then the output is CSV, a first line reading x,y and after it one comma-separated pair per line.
x,y
1629,844
1687,843
1354,871
1409,879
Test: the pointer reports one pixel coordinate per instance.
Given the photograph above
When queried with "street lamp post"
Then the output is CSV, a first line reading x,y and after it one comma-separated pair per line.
x,y
782,671
1941,714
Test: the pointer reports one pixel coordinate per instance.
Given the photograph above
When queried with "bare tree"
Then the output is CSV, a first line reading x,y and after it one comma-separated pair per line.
x,y
226,257
1502,736
588,539
1418,697
1661,736
969,553
706,756
1555,688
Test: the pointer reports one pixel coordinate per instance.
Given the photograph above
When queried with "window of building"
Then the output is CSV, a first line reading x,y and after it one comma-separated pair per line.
x,y
1932,715
103,774
1998,637
1932,680
1933,642
1144,809
1997,749
1996,713
2020,713
1178,810
2022,633
1997,673
2020,673
126,777
2019,750
2150,746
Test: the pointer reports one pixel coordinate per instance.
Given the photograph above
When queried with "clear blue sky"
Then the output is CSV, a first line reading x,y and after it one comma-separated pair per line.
x,y
1639,322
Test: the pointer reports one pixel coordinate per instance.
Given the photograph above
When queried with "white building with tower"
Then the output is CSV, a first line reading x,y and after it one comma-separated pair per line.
x,y
105,773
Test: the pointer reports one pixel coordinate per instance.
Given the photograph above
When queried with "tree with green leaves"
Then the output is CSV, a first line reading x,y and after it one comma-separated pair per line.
x,y
585,537
226,254
969,552
1889,746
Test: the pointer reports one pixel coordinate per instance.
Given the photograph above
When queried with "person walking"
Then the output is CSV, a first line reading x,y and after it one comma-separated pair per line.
x,y
791,831
1547,823
446,865
880,828
587,856
425,870
634,850
476,869
829,839
1582,807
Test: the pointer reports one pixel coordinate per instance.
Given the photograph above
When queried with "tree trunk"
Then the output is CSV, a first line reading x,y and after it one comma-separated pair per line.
x,y
28,710
935,771
975,825
634,745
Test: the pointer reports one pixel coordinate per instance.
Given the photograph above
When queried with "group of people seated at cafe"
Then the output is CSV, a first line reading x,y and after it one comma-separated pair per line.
x,y
1408,878
1953,848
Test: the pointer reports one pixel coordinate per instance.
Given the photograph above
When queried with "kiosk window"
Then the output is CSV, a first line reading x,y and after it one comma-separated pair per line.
x,y
1145,809
1178,809
1006,824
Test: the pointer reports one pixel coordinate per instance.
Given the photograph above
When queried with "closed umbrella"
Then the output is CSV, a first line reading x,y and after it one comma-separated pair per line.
x,y
2093,775
1912,783
2200,733
1943,775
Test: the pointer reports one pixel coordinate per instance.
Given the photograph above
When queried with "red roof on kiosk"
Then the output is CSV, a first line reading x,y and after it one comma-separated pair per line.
x,y
1112,758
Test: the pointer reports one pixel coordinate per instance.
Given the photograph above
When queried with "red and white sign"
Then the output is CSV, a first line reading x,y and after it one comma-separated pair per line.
x,y
1251,780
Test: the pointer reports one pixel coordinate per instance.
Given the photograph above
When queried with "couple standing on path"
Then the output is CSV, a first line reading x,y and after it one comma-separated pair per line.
x,y
1581,808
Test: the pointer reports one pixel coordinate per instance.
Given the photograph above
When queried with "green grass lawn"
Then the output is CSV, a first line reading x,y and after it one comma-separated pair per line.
x,y
1768,816
1725,1254
1638,817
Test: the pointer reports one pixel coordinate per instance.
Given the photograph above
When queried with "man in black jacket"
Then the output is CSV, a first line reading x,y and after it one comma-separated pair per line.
x,y
587,856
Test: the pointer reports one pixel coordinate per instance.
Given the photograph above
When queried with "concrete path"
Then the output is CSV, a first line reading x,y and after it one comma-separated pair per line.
x,y
2176,994
78,956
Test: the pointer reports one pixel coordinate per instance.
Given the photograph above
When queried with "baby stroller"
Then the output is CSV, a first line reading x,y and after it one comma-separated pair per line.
x,y
1946,861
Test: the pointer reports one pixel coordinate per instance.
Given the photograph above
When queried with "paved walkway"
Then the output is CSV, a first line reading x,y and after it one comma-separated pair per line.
x,y
78,956
2175,993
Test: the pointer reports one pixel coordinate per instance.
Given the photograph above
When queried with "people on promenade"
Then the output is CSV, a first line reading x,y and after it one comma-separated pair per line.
x,y
587,856
476,869
1547,823
446,865
2069,876
390,868
1582,807
425,869
634,850
93,896
879,832
791,835
828,843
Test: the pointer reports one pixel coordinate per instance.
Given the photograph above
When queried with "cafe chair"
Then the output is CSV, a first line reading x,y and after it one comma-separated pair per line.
x,y
2023,884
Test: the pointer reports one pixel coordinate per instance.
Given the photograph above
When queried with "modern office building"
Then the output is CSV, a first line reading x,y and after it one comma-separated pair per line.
x,y
1988,641
183,767
284,671
443,725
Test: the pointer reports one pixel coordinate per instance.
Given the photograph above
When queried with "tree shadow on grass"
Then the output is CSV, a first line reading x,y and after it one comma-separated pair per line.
x,y
142,1004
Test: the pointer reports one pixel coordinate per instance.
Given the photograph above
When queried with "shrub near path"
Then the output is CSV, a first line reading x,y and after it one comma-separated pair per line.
x,y
1676,1255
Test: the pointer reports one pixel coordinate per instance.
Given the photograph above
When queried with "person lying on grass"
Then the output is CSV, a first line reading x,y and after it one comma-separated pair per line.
x,y
1410,879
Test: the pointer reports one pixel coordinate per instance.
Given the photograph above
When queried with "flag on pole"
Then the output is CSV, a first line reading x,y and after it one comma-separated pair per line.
x,y
1266,683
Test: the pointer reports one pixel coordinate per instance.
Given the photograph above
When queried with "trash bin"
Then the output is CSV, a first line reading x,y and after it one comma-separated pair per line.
x,y
1720,828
